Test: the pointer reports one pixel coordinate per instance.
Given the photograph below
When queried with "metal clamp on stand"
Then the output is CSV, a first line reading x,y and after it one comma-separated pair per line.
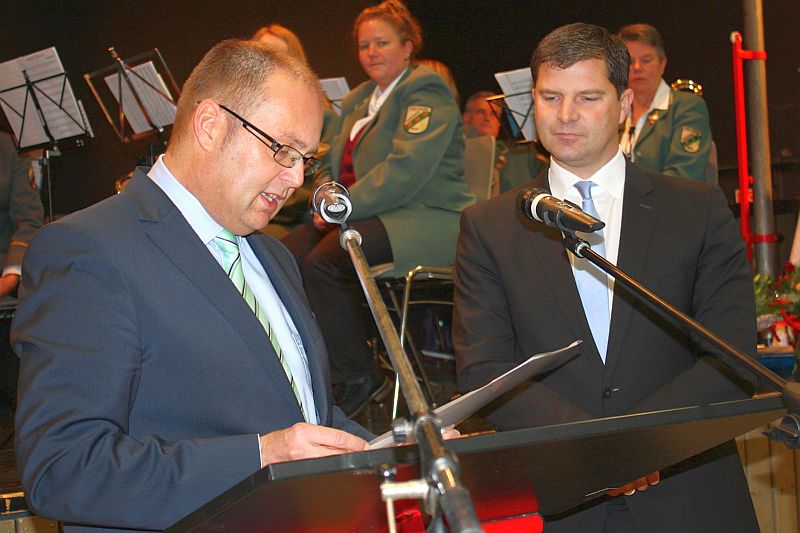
x,y
439,466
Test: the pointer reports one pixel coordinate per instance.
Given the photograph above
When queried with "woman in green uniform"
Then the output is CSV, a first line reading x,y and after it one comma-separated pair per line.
x,y
667,131
400,152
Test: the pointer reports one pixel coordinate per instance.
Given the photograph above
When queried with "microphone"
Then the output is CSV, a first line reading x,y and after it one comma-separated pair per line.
x,y
538,204
332,201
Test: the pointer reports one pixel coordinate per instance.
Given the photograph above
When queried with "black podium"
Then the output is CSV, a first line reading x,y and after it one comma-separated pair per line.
x,y
546,470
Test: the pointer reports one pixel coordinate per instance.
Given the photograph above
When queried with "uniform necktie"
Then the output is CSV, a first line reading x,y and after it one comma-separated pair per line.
x,y
232,263
591,281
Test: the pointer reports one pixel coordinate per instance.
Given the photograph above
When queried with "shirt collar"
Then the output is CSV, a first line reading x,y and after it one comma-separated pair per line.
x,y
379,97
610,178
198,218
661,98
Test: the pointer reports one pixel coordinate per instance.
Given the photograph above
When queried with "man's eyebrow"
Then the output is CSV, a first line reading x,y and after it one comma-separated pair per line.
x,y
294,140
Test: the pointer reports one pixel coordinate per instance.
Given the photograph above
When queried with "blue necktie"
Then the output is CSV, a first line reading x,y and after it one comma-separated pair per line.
x,y
591,281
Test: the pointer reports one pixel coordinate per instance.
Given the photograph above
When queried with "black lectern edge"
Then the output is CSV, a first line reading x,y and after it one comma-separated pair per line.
x,y
365,463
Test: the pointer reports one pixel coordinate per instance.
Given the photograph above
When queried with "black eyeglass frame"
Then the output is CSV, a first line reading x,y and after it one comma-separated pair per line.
x,y
310,164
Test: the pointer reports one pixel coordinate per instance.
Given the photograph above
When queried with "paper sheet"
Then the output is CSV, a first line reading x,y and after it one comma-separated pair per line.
x,y
18,105
155,97
517,85
335,89
462,407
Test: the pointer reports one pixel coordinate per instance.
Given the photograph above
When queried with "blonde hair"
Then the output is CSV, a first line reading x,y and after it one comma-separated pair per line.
x,y
442,70
293,44
396,14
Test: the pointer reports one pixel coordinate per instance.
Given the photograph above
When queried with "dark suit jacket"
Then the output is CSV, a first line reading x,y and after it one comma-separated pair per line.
x,y
145,377
516,296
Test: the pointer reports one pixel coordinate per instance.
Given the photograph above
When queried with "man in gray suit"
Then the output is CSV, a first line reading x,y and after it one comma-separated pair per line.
x,y
167,351
518,293
21,216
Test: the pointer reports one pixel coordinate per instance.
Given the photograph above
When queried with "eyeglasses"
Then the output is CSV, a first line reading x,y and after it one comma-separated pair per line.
x,y
285,155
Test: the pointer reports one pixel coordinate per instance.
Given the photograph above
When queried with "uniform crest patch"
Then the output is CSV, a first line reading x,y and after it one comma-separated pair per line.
x,y
653,117
417,118
690,139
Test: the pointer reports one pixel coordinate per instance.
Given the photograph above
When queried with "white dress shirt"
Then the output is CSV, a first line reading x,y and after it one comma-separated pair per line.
x,y
375,102
257,279
607,195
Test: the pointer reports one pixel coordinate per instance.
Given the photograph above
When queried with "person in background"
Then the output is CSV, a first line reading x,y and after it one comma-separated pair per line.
x,y
167,350
21,215
444,71
281,38
400,152
518,293
515,163
296,209
667,131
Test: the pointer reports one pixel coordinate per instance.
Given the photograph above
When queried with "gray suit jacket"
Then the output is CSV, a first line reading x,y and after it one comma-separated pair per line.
x,y
21,211
516,296
145,378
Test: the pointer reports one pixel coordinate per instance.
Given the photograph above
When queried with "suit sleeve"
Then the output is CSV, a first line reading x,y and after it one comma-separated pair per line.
x,y
483,337
722,301
25,211
414,158
81,357
690,118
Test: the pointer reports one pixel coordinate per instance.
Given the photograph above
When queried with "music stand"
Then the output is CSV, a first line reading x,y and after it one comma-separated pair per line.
x,y
335,89
515,104
144,93
41,107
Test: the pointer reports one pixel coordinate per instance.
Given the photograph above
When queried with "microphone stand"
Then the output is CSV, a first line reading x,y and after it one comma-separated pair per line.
x,y
441,489
789,430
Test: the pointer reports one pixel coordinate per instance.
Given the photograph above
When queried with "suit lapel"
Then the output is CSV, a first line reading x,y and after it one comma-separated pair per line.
x,y
387,103
547,245
303,320
650,122
167,228
359,111
638,219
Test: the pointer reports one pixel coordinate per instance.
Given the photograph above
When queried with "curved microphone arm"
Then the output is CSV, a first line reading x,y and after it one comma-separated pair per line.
x,y
788,431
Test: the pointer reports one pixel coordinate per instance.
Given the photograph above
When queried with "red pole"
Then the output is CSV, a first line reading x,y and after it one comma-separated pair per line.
x,y
745,179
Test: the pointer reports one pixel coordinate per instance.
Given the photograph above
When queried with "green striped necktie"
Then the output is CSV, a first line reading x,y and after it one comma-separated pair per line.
x,y
232,263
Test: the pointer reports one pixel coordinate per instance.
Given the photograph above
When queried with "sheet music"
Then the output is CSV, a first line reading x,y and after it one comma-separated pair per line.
x,y
462,407
517,85
158,103
19,108
335,89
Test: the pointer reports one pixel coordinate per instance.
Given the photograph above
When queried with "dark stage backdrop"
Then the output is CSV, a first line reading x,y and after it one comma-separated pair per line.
x,y
476,38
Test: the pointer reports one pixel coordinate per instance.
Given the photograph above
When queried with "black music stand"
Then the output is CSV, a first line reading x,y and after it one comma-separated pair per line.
x,y
36,85
546,470
512,121
144,93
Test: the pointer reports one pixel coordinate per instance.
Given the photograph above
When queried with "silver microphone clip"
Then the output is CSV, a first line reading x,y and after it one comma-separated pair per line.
x,y
332,201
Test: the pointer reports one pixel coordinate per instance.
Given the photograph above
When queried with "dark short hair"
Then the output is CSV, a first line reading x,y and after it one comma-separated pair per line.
x,y
480,95
234,72
644,33
570,44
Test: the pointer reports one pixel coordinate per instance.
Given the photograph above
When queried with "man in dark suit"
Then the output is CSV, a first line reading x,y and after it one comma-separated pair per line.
x,y
150,380
519,293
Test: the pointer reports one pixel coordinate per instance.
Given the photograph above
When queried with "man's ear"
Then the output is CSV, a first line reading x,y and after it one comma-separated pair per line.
x,y
208,124
625,104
